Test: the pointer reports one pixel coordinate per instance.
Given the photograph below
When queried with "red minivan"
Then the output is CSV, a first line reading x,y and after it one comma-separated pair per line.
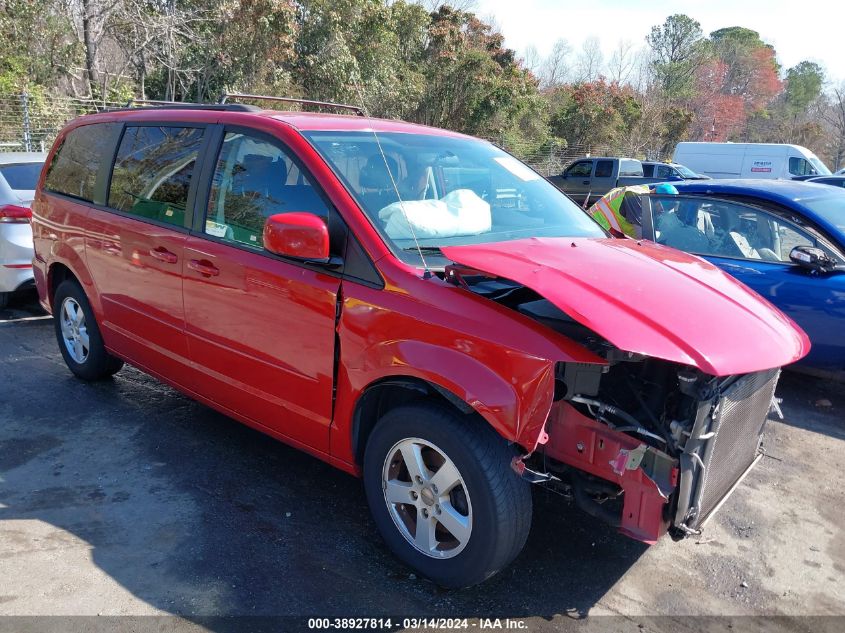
x,y
414,306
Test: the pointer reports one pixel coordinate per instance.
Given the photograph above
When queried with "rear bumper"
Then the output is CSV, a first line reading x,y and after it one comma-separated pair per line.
x,y
15,256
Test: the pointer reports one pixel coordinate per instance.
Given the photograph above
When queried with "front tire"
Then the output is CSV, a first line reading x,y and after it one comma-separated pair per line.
x,y
79,337
443,494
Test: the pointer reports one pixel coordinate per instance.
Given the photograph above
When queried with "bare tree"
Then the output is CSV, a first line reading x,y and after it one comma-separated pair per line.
x,y
461,5
590,61
622,62
834,116
531,60
555,69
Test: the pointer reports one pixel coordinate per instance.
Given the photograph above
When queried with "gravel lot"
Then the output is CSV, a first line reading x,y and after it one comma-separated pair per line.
x,y
126,498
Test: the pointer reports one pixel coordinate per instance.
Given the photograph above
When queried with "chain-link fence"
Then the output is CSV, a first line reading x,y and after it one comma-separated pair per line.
x,y
30,122
550,160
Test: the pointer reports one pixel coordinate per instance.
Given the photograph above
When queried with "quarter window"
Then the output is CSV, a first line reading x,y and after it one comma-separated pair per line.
x,y
73,171
253,180
153,170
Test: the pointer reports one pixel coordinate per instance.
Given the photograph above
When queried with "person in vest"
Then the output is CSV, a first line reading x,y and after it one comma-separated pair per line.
x,y
621,209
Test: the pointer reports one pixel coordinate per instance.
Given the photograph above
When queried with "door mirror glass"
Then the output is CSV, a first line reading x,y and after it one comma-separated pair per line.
x,y
812,258
300,235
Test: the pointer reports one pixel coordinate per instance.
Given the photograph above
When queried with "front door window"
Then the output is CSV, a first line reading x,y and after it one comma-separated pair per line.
x,y
721,228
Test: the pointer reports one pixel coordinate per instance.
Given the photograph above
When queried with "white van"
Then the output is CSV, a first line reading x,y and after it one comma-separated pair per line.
x,y
749,160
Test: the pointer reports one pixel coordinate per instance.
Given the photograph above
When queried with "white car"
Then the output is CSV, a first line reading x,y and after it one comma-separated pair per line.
x,y
19,173
841,172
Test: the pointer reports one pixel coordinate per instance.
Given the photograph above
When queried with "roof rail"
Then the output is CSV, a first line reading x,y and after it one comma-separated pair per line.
x,y
133,104
325,104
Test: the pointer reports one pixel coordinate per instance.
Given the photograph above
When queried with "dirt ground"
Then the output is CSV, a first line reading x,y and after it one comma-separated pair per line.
x,y
126,498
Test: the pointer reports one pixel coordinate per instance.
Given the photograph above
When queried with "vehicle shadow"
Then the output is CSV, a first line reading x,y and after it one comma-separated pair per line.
x,y
197,515
23,305
813,403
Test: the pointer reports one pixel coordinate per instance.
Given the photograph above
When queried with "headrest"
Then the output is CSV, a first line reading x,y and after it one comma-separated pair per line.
x,y
374,174
260,165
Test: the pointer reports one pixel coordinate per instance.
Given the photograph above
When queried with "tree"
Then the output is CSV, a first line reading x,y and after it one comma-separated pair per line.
x,y
556,67
593,114
622,62
679,49
833,115
590,61
39,46
803,86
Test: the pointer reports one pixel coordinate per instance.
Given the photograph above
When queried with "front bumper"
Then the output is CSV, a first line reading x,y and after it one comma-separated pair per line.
x,y
648,477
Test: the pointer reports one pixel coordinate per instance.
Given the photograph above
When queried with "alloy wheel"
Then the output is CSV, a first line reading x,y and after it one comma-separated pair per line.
x,y
74,330
426,498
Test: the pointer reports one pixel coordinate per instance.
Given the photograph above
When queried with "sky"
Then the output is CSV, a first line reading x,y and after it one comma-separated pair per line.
x,y
798,31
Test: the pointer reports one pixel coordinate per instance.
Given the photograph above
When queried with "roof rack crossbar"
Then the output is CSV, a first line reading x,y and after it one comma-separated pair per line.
x,y
327,104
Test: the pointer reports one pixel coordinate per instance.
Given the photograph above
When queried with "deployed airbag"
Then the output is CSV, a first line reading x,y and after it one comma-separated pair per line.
x,y
460,212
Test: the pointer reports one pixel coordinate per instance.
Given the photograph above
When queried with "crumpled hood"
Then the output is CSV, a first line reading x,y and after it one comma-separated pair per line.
x,y
648,299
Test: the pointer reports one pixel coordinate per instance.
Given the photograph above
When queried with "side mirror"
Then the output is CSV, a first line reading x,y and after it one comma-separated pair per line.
x,y
811,258
300,235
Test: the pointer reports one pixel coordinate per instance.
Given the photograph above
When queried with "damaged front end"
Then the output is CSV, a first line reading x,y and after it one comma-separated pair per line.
x,y
651,447
647,444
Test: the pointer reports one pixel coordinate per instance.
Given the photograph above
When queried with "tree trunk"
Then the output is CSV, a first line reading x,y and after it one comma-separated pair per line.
x,y
88,42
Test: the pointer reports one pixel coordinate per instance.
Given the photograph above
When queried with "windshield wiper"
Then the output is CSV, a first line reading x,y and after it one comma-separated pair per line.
x,y
426,250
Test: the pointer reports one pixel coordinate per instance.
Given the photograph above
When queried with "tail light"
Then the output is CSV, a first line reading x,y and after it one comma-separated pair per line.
x,y
12,213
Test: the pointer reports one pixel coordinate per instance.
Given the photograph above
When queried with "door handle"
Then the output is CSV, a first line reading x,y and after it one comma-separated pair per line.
x,y
585,182
204,267
163,255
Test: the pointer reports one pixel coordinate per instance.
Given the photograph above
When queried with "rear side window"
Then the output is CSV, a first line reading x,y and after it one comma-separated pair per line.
x,y
21,177
73,171
630,168
648,171
153,170
604,169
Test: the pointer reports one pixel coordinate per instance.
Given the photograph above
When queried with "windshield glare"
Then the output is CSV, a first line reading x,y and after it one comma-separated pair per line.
x,y
831,208
686,172
454,191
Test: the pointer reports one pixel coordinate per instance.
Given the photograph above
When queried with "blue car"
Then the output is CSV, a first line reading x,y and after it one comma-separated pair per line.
x,y
784,239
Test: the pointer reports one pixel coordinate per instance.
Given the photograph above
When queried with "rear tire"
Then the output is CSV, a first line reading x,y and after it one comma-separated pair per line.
x,y
475,524
79,337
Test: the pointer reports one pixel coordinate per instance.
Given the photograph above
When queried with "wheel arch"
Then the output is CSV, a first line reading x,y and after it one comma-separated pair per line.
x,y
388,393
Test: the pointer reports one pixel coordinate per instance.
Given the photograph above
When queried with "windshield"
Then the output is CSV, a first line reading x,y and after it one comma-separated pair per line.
x,y
686,172
21,176
831,208
454,191
820,166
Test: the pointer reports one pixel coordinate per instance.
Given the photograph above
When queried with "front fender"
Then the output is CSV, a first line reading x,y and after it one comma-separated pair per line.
x,y
381,336
510,405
